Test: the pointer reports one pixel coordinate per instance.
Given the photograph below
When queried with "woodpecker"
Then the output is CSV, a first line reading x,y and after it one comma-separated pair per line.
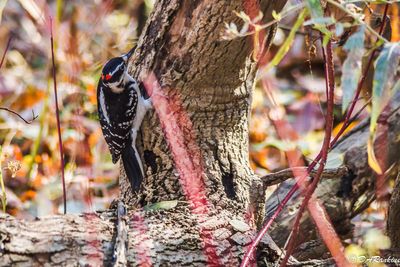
x,y
121,107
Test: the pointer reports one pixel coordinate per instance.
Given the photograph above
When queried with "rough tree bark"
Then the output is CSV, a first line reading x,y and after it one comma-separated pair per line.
x,y
393,224
213,78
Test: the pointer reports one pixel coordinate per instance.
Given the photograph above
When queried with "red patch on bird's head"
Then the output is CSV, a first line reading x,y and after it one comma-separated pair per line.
x,y
106,77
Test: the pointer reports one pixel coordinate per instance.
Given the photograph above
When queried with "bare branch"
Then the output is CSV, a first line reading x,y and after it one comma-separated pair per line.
x,y
283,175
34,117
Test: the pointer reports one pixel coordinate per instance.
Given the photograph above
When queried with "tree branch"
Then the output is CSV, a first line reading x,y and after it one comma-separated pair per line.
x,y
283,175
34,117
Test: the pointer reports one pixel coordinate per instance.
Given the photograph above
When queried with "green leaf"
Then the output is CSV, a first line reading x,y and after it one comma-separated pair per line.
x,y
320,21
352,66
2,5
326,39
163,205
382,91
327,33
385,71
289,40
315,8
339,29
356,41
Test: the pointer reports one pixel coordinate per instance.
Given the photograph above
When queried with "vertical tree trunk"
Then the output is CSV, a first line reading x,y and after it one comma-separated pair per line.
x,y
213,78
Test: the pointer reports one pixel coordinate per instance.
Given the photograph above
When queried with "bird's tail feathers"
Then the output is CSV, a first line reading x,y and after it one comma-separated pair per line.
x,y
133,167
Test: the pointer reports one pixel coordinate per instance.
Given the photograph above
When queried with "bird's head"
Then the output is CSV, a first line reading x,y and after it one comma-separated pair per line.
x,y
114,71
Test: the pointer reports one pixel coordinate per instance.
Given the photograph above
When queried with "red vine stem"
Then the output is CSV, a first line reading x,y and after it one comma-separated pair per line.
x,y
60,144
5,51
346,123
329,76
329,73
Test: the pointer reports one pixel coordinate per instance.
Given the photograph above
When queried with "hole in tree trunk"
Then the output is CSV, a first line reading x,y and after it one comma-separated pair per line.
x,y
227,182
150,159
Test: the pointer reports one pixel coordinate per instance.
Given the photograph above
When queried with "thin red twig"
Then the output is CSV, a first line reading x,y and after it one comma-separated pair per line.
x,y
5,51
60,144
301,179
330,88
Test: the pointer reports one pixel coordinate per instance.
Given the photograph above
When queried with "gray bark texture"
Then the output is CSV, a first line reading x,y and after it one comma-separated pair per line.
x,y
393,225
213,78
160,238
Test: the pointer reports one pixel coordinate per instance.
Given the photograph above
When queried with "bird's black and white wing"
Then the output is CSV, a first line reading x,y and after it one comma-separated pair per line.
x,y
116,115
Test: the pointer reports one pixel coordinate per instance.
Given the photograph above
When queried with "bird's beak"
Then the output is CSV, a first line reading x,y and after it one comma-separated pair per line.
x,y
129,54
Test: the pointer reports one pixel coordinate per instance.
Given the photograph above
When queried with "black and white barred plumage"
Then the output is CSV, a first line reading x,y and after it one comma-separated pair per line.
x,y
121,108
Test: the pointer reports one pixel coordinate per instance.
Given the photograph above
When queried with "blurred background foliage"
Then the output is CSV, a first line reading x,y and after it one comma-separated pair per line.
x,y
87,33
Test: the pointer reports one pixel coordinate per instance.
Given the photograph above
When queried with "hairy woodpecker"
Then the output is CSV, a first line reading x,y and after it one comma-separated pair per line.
x,y
122,106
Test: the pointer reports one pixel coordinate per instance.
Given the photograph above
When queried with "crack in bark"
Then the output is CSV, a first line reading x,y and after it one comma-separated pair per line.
x,y
121,237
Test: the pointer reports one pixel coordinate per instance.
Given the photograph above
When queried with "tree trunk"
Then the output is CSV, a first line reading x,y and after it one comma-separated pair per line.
x,y
393,225
163,238
213,79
